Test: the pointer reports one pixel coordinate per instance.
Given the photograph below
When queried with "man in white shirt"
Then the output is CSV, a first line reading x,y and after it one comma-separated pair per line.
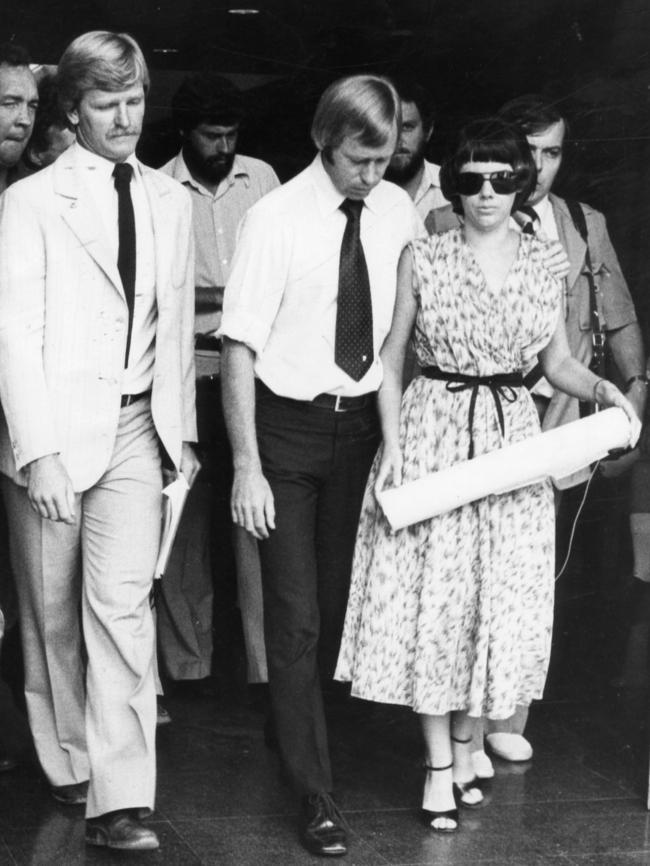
x,y
207,111
408,168
97,386
299,383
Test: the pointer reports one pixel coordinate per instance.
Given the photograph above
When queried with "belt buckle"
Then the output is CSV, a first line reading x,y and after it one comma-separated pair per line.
x,y
337,404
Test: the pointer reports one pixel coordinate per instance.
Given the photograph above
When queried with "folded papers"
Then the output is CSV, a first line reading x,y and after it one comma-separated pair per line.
x,y
174,496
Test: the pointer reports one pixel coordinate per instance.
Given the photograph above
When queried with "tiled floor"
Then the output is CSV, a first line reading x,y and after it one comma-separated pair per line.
x,y
580,802
221,801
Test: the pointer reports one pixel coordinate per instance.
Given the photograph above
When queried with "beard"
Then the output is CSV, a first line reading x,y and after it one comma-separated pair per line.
x,y
405,169
213,168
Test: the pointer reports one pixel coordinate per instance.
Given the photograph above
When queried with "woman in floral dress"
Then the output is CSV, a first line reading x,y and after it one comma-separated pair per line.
x,y
453,616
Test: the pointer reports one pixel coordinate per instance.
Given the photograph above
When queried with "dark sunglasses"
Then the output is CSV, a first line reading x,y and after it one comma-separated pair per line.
x,y
503,182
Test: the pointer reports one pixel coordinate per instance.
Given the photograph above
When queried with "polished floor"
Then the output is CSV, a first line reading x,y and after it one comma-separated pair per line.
x,y
221,799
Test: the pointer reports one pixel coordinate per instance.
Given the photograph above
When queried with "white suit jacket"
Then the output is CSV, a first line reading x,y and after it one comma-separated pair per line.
x,y
63,321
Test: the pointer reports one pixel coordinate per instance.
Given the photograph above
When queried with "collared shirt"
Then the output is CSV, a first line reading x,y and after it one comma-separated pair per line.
x,y
547,224
97,175
215,219
429,195
281,296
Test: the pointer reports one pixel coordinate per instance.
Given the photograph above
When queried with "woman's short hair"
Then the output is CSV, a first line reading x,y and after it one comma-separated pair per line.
x,y
364,107
99,60
489,140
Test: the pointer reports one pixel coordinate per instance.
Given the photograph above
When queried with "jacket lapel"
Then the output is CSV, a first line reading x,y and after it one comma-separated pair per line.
x,y
79,213
570,239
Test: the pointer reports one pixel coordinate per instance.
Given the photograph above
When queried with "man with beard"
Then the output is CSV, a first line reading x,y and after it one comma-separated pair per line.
x,y
408,168
207,111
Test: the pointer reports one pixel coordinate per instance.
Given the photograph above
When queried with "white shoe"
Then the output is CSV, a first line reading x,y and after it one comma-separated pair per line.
x,y
482,765
510,747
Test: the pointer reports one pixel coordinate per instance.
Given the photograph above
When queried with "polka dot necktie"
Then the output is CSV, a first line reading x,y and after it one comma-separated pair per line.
x,y
122,174
353,348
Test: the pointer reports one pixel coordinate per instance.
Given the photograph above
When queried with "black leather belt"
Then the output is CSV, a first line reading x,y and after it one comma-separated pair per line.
x,y
344,404
127,399
501,385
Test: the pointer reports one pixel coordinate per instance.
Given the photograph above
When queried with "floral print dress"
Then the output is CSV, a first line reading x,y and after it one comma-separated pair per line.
x,y
455,613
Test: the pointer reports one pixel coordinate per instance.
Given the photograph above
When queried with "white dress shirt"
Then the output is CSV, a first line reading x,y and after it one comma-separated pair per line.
x,y
281,297
429,195
97,176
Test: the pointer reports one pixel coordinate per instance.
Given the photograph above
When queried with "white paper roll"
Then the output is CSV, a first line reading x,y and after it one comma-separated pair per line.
x,y
553,454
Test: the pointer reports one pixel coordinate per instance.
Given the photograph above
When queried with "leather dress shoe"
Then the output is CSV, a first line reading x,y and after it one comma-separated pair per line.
x,y
121,830
322,830
70,795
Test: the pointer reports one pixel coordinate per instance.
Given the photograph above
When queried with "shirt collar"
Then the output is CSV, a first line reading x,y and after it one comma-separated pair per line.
x,y
329,198
182,174
543,207
94,162
430,178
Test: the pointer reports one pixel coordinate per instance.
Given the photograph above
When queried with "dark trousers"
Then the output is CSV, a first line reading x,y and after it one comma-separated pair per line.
x,y
316,461
196,602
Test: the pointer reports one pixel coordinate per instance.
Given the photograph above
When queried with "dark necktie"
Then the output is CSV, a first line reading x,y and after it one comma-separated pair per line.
x,y
531,226
353,349
122,173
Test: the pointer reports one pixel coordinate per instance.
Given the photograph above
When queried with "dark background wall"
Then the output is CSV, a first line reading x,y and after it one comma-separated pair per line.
x,y
592,56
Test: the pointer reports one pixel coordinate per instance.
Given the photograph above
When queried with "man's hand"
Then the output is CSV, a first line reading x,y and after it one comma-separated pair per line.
x,y
190,463
556,260
251,503
50,490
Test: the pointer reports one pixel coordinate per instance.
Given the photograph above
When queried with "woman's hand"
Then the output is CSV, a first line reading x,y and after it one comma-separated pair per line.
x,y
390,469
607,394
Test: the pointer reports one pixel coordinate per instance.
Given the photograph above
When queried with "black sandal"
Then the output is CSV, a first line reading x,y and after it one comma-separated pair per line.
x,y
461,789
451,814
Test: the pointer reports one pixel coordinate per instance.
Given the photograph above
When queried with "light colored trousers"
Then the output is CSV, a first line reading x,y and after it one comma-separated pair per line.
x,y
102,567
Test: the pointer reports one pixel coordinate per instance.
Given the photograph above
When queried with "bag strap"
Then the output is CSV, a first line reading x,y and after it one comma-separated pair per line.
x,y
597,330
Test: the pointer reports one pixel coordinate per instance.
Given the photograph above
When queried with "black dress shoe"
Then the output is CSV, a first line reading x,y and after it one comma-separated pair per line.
x,y
322,829
70,795
121,830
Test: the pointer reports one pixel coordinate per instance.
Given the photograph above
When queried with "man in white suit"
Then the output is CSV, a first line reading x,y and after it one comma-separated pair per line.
x,y
97,386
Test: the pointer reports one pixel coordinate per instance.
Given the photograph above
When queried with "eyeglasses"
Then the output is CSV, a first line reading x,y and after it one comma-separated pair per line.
x,y
503,182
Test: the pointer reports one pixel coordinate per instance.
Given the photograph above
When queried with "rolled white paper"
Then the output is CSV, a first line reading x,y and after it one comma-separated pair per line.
x,y
553,454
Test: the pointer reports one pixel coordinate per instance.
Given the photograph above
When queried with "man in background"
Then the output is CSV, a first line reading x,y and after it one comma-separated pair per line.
x,y
18,104
408,167
207,111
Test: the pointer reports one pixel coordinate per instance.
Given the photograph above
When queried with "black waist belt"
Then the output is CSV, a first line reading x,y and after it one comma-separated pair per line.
x,y
127,399
502,387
